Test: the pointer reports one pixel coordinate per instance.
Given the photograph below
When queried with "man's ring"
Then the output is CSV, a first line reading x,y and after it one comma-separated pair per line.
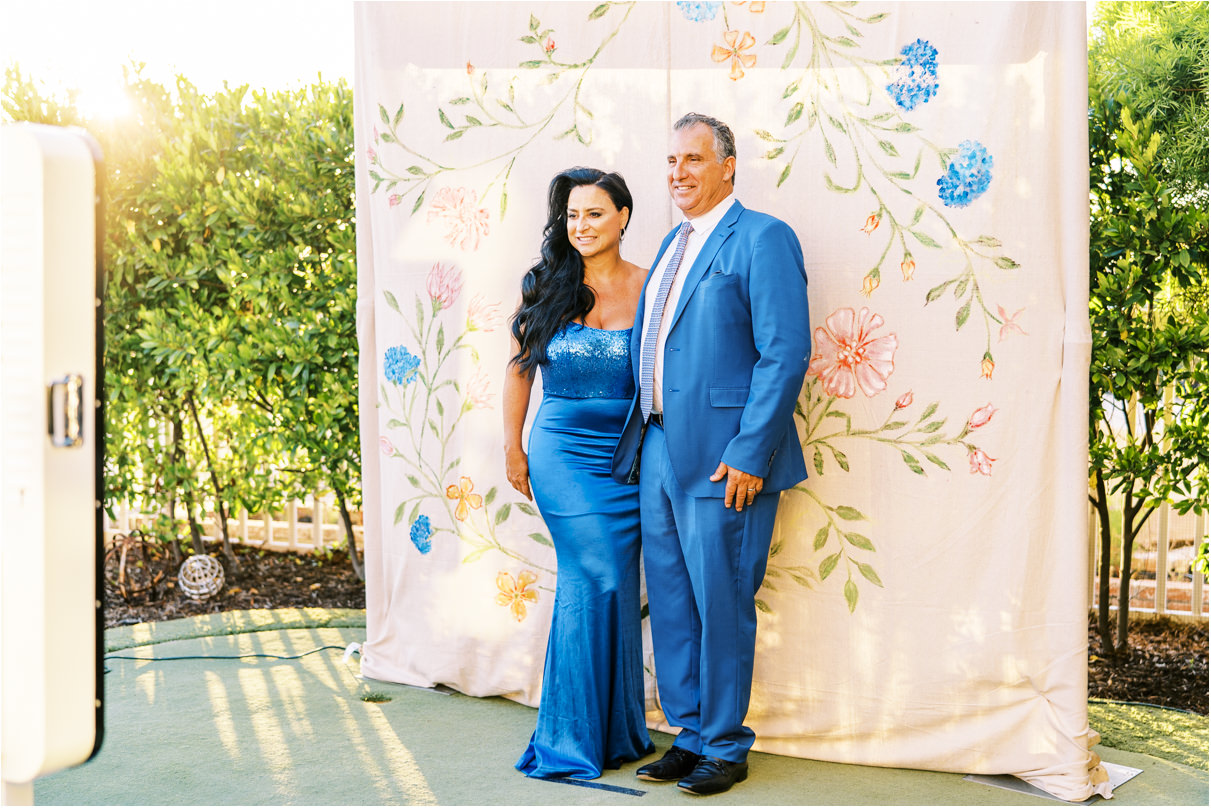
x,y
752,489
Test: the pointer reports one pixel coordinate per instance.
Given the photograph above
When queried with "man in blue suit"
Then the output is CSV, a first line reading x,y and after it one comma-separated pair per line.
x,y
720,346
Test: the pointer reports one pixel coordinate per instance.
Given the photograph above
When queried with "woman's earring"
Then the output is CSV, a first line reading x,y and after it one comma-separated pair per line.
x,y
622,232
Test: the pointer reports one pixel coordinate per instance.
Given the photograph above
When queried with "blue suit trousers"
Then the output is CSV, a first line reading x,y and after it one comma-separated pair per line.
x,y
704,564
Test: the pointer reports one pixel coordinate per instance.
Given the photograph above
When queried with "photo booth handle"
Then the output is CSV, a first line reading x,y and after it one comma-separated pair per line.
x,y
65,411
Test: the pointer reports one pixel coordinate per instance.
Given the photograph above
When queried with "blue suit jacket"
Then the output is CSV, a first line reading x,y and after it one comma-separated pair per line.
x,y
735,359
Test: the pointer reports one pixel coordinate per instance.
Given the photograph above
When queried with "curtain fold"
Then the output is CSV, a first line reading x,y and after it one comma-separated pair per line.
x,y
924,605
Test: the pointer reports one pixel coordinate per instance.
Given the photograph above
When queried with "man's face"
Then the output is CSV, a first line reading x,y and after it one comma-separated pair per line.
x,y
697,180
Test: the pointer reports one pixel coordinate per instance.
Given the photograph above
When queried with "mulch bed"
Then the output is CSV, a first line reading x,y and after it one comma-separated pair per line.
x,y
1166,665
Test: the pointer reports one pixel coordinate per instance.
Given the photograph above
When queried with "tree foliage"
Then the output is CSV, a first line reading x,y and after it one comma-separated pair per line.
x,y
1153,57
1148,279
231,347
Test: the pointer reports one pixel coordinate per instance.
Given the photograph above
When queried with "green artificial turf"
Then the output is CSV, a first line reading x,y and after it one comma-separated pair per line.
x,y
1173,735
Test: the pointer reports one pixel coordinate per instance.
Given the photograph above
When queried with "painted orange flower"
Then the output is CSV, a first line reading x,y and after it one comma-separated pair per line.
x,y
908,267
736,44
466,499
869,284
872,223
986,367
514,594
846,357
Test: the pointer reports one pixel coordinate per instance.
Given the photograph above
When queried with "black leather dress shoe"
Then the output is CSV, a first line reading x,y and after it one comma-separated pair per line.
x,y
713,775
676,764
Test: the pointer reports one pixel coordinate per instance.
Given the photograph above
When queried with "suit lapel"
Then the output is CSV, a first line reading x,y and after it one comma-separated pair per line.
x,y
705,256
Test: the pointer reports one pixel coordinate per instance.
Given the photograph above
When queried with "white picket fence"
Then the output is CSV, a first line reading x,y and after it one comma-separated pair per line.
x,y
303,526
1168,543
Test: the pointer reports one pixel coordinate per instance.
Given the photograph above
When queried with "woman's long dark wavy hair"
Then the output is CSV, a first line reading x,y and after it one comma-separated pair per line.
x,y
553,292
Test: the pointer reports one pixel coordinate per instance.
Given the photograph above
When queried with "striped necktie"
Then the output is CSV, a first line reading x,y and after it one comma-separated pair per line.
x,y
647,358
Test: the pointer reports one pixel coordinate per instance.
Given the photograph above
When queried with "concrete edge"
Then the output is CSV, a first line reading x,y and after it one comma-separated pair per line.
x,y
223,623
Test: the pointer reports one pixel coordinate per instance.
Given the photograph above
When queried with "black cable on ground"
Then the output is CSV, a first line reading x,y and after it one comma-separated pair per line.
x,y
227,657
1143,704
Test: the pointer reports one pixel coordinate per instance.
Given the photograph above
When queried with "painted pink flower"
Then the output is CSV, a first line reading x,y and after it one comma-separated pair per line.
x,y
847,357
981,416
904,401
443,285
483,316
549,46
371,154
466,221
1009,324
736,45
479,393
385,446
981,463
394,200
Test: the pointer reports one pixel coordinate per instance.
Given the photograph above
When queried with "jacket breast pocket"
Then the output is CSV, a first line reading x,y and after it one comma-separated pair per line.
x,y
729,396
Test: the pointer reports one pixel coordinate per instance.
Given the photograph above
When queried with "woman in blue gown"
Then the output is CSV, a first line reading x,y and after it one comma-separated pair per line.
x,y
574,323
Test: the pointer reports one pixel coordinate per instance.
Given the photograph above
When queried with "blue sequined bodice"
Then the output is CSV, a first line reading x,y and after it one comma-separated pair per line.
x,y
587,362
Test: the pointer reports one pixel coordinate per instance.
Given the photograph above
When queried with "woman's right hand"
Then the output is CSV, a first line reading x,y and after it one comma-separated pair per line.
x,y
517,471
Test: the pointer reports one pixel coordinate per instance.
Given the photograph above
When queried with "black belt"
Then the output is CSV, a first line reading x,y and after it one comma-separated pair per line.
x,y
657,418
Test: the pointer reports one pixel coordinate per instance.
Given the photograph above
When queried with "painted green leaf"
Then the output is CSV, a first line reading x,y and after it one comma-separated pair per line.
x,y
532,63
456,134
599,11
916,216
936,292
911,462
988,241
841,459
791,89
490,496
503,513
818,461
761,606
504,203
889,148
829,152
775,548
924,238
774,153
441,410
859,541
961,316
416,171
937,461
795,113
541,539
821,538
529,39
413,481
527,509
893,425
441,116
766,136
399,115
399,513
474,555
778,37
930,410
382,113
868,572
848,513
441,338
845,42
786,172
391,301
1005,262
473,121
933,426
420,198
462,99
851,595
534,23
828,565
412,514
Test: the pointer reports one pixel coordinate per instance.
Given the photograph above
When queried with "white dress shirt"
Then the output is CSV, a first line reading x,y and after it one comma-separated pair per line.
x,y
704,225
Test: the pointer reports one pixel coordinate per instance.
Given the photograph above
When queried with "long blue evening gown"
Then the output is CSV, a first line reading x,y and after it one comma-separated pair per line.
x,y
591,715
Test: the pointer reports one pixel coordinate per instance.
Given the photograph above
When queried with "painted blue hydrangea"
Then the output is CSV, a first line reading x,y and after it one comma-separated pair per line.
x,y
967,177
700,11
420,532
399,365
916,75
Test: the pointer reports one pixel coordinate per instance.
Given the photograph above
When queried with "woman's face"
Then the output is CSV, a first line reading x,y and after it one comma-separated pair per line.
x,y
594,224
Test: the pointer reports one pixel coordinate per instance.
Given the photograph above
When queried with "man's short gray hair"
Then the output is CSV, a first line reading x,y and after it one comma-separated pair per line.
x,y
725,141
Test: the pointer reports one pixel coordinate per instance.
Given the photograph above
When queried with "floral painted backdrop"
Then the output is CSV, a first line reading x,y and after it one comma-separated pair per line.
x,y
923,604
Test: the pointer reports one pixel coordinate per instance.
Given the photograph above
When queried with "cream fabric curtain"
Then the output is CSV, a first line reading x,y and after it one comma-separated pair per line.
x,y
925,600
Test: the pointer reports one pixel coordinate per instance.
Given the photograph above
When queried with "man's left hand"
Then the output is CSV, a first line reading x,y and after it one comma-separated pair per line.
x,y
742,488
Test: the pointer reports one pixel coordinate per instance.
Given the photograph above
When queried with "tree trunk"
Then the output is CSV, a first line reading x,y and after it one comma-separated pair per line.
x,y
219,505
358,569
1124,581
1102,504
